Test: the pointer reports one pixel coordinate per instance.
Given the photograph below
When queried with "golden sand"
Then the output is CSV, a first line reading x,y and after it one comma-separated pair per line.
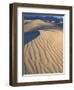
x,y
44,54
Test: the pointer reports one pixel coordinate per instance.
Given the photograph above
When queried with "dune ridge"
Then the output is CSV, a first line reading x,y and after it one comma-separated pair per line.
x,y
34,24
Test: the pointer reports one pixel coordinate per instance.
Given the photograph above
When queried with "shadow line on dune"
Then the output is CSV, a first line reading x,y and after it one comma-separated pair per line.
x,y
29,36
34,32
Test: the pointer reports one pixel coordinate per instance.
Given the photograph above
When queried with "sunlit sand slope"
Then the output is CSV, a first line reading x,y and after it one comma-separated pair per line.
x,y
44,54
34,24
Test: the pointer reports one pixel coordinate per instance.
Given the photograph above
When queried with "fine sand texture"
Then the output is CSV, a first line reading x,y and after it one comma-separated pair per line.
x,y
44,53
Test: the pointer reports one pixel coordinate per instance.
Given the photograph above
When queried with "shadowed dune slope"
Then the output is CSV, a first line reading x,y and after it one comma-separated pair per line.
x,y
44,54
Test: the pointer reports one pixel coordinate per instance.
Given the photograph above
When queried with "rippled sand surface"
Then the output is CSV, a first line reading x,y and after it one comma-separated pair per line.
x,y
44,54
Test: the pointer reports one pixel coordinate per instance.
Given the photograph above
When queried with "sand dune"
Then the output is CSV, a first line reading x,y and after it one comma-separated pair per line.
x,y
44,54
32,25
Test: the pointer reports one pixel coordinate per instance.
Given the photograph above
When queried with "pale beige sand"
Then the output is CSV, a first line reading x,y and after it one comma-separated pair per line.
x,y
44,54
34,24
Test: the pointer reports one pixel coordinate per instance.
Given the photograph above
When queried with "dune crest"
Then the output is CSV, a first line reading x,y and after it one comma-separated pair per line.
x,y
32,25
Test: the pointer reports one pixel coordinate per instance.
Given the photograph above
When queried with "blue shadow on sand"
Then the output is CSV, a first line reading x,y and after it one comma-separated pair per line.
x,y
29,36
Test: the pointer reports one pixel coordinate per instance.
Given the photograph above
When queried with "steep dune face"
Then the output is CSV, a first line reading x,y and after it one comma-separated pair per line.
x,y
44,54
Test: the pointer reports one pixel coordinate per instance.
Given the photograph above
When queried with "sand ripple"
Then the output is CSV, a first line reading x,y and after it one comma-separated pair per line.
x,y
44,54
